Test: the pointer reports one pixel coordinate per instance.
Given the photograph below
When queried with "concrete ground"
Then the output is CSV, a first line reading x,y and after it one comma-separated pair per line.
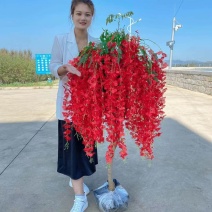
x,y
179,179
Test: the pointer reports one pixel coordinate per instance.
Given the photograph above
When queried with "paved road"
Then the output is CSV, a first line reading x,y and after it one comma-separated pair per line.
x,y
179,179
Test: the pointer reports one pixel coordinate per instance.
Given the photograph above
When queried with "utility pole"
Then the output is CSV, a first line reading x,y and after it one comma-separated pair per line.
x,y
171,43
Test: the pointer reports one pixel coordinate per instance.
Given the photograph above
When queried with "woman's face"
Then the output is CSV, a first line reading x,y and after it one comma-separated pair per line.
x,y
82,16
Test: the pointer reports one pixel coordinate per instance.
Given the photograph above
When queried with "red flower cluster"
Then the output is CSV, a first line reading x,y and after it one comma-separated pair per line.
x,y
113,93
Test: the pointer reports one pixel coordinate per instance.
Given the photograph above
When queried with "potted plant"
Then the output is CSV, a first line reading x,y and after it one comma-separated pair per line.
x,y
122,84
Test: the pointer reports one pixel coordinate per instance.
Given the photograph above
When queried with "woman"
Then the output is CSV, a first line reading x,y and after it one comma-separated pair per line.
x,y
73,162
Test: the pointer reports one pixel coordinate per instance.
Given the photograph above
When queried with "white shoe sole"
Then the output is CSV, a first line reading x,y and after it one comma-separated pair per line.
x,y
84,208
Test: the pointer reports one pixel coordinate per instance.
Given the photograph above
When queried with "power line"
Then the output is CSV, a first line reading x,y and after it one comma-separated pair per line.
x,y
179,8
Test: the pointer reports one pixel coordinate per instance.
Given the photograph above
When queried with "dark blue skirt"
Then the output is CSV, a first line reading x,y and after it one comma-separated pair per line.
x,y
73,161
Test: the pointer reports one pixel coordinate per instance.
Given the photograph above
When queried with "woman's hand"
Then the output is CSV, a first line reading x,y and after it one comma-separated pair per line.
x,y
67,68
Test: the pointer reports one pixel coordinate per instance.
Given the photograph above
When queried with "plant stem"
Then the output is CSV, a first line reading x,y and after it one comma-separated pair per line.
x,y
111,184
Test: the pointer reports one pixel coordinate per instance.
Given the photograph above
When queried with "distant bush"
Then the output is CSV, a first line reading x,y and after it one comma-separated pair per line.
x,y
18,66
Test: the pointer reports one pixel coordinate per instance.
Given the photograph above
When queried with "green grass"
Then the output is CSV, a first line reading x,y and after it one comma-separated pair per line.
x,y
30,84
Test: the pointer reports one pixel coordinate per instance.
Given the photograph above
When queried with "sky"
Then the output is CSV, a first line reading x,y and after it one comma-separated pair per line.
x,y
32,25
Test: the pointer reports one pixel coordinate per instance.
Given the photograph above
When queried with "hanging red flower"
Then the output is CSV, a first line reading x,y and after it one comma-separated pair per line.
x,y
122,85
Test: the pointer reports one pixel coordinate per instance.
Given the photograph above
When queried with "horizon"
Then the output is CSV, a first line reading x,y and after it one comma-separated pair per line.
x,y
33,25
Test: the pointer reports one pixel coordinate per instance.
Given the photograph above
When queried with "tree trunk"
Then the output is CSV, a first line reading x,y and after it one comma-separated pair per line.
x,y
110,177
111,184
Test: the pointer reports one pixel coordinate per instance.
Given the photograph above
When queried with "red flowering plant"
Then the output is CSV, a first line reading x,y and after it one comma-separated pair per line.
x,y
122,85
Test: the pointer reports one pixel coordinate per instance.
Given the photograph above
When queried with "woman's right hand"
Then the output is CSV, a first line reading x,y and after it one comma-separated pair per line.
x,y
67,68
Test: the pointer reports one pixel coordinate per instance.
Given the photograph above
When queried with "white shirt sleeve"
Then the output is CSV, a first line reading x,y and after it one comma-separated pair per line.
x,y
56,57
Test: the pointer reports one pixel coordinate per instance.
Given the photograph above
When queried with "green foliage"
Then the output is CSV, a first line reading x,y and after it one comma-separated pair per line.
x,y
111,18
18,66
115,37
119,35
107,38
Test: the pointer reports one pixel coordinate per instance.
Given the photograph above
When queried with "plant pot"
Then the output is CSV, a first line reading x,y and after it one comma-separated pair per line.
x,y
111,201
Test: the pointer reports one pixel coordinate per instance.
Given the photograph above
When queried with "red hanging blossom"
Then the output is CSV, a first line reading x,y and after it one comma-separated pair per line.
x,y
121,85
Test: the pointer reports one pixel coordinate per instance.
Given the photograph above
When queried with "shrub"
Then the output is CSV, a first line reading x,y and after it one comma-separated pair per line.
x,y
18,66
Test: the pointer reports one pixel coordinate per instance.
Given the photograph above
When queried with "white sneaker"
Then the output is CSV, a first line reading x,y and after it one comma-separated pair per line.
x,y
80,204
85,187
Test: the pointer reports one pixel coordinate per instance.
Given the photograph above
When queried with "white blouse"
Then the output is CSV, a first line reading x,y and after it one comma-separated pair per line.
x,y
64,49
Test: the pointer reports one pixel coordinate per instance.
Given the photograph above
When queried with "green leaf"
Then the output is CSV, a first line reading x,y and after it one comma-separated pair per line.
x,y
83,59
